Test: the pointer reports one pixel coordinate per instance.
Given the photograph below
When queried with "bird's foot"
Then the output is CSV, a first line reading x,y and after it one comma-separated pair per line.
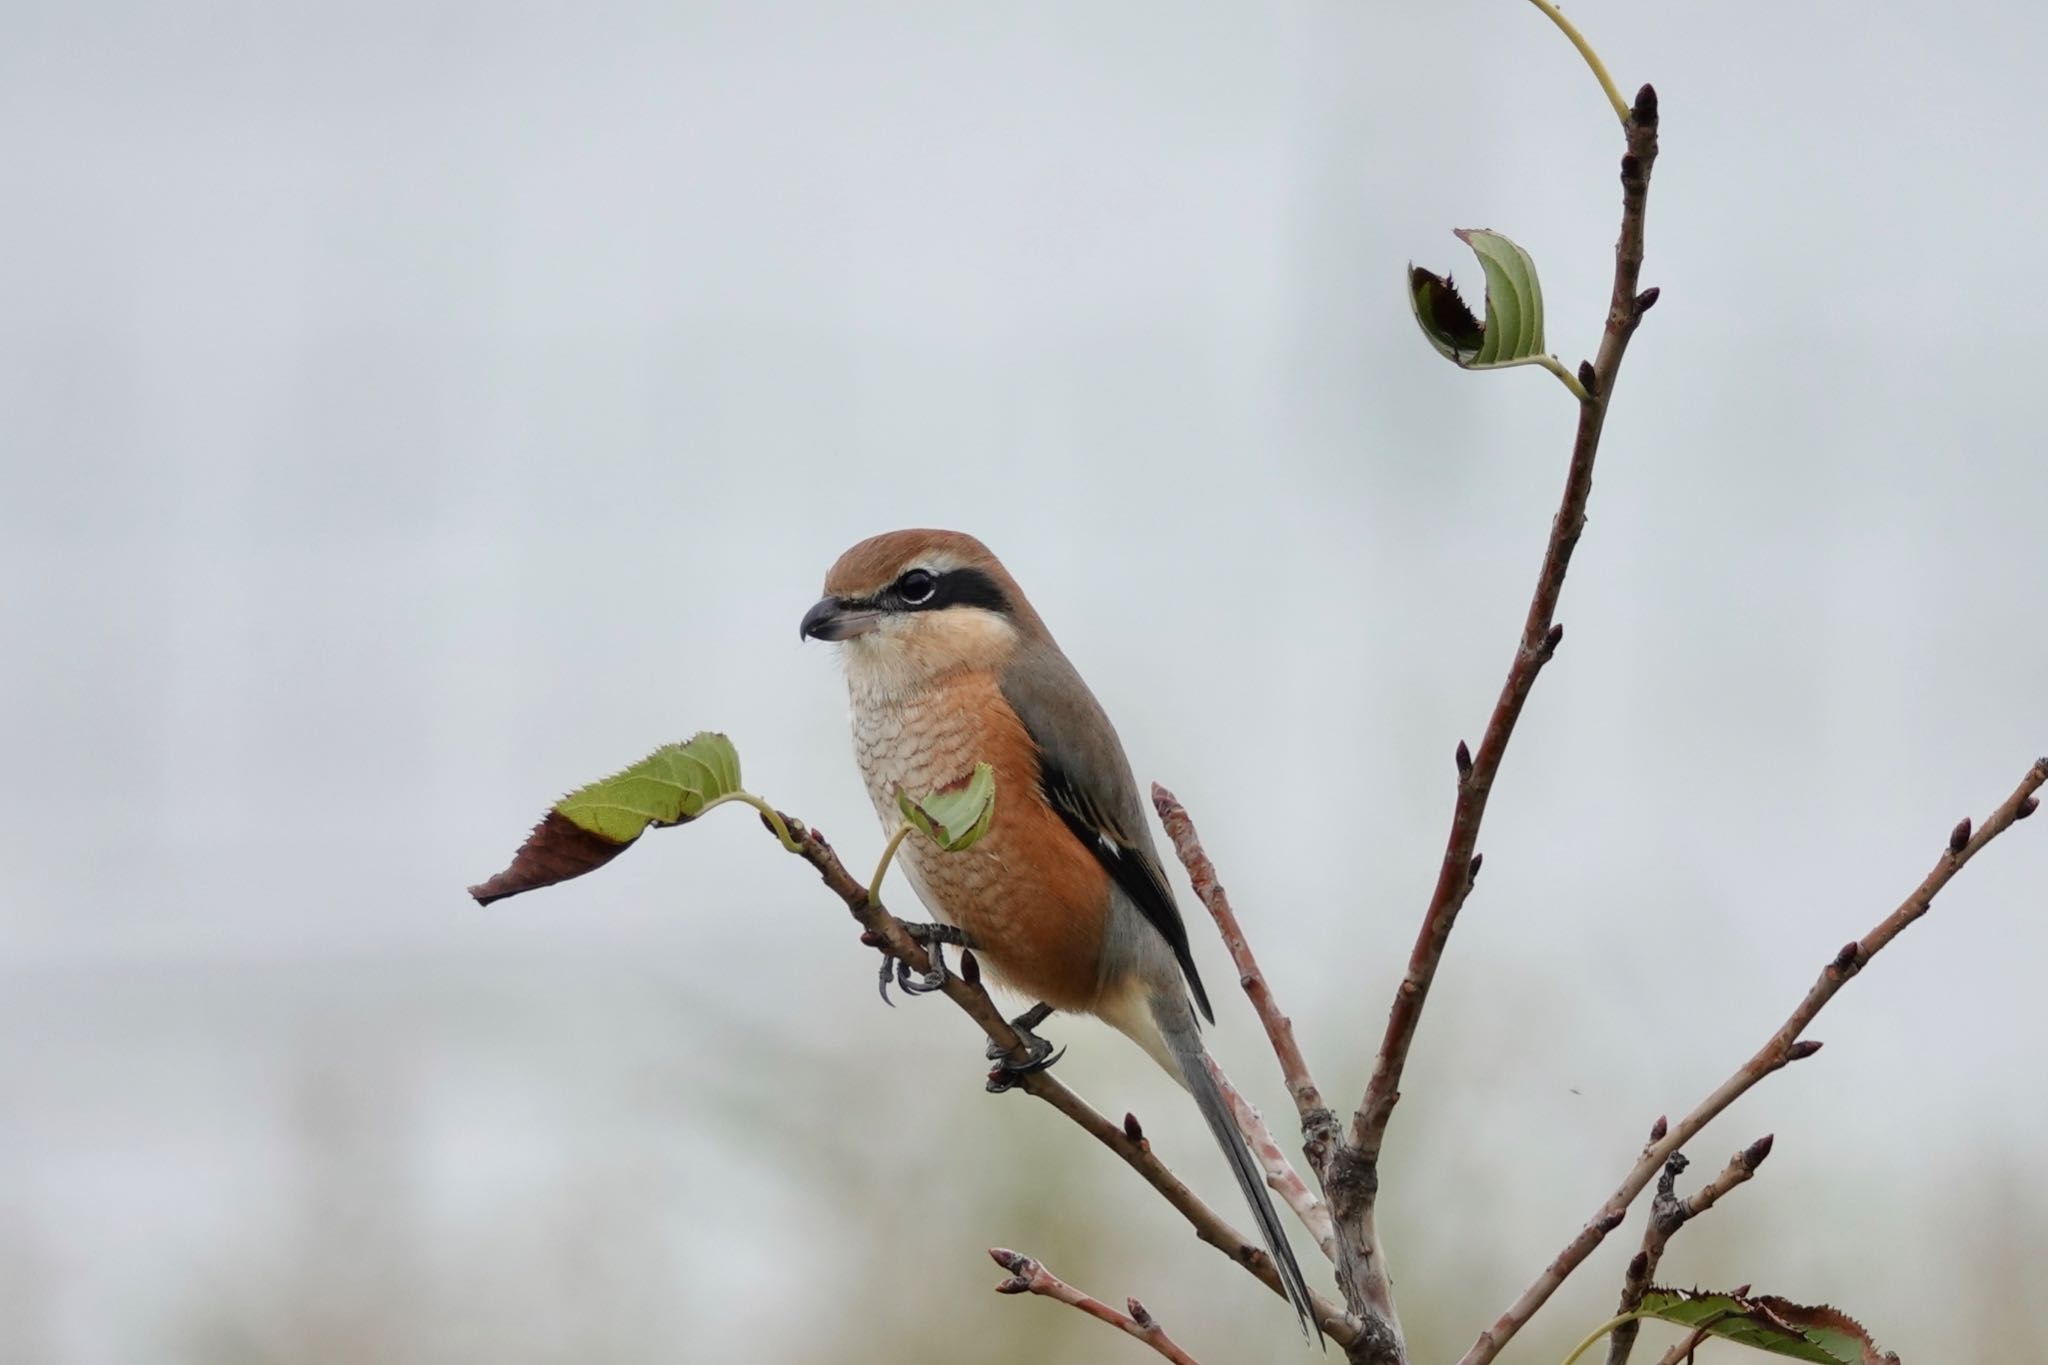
x,y
1008,1071
934,938
1023,1023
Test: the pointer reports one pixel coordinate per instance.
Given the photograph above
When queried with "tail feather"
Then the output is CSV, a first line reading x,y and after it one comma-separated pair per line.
x,y
1190,1059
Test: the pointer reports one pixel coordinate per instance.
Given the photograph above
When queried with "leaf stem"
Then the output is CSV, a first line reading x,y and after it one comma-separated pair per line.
x,y
1598,1332
768,813
1585,48
1564,376
903,831
1548,362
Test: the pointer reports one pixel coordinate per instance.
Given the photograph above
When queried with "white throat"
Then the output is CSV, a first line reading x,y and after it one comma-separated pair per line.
x,y
908,654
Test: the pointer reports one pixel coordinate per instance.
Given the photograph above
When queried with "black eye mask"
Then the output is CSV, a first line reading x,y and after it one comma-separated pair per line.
x,y
923,590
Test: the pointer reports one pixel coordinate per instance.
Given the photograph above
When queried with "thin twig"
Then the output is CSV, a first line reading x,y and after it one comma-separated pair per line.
x,y
1681,1353
1540,637
1782,1049
1187,845
887,933
1308,1206
1318,1124
1669,1213
1028,1276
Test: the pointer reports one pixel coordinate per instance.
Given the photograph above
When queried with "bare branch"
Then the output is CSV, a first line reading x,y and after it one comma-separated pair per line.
x,y
1782,1049
1030,1277
1187,845
887,932
1739,1169
1318,1125
1347,1231
1540,638
1669,1213
1308,1206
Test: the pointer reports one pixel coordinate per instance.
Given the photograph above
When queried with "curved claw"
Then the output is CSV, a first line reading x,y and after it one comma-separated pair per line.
x,y
1007,1073
1024,1024
933,980
1042,1055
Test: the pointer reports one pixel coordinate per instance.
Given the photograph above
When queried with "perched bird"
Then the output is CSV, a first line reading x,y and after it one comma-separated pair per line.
x,y
1063,898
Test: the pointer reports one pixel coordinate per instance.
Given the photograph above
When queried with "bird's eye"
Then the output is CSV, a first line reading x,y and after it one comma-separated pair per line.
x,y
916,587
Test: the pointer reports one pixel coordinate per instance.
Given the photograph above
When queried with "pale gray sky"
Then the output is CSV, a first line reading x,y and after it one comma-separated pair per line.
x,y
410,411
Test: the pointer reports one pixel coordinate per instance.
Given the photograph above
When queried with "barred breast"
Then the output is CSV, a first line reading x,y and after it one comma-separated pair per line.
x,y
1029,894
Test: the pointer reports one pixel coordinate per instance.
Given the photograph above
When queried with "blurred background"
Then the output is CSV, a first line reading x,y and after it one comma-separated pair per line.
x,y
410,411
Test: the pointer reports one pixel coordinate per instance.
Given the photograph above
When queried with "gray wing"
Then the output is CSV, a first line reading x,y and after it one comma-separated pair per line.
x,y
1085,776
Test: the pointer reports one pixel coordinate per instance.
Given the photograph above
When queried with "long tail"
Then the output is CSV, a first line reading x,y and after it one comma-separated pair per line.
x,y
1185,1043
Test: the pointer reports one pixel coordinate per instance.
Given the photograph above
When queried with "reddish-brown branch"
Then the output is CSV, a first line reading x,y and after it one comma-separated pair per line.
x,y
1028,1276
1540,637
1669,1213
888,933
1344,1226
1782,1049
1187,845
1318,1125
1348,1165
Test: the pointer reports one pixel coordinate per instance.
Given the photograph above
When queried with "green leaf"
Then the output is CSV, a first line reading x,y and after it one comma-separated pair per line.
x,y
669,786
954,818
1513,331
1826,1336
592,825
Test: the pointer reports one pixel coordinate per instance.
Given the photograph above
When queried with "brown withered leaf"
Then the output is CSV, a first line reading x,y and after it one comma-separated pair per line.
x,y
557,850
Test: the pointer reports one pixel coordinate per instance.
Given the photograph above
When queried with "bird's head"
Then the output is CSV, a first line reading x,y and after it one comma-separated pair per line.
x,y
915,606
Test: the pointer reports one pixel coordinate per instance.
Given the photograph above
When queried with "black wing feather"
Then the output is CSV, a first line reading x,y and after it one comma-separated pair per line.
x,y
1133,869
1083,773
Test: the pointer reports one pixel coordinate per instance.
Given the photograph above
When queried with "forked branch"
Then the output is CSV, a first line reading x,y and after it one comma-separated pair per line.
x,y
1669,1213
1782,1049
1028,1276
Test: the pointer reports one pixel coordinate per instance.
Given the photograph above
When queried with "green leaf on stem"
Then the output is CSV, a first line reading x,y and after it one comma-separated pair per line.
x,y
1826,1336
1513,331
592,825
956,817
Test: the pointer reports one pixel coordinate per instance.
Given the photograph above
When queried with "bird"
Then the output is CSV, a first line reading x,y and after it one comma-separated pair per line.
x,y
1063,899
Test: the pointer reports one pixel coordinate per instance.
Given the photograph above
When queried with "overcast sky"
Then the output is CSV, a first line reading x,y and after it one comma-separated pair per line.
x,y
410,411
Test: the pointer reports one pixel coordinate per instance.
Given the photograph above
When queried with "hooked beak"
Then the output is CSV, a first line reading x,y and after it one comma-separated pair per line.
x,y
833,619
